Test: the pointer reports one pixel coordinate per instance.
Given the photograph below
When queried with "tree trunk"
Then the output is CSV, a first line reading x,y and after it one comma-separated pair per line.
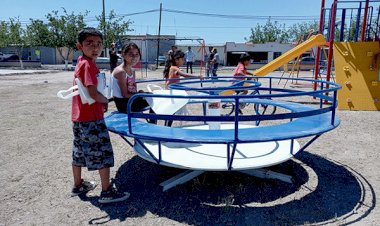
x,y
19,54
61,54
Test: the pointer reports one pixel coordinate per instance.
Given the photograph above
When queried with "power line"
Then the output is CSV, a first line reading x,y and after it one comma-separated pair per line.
x,y
248,17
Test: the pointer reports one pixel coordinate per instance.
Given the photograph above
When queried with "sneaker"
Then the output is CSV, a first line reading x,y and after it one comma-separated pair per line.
x,y
113,196
85,187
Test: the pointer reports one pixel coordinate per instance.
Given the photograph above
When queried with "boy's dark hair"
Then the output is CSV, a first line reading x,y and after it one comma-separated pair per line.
x,y
244,57
131,45
171,61
88,31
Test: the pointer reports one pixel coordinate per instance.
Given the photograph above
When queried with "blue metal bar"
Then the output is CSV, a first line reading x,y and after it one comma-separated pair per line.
x,y
232,156
129,121
357,26
309,142
147,150
159,151
228,154
236,118
369,23
256,107
377,24
320,99
204,112
270,85
329,25
341,36
126,140
333,109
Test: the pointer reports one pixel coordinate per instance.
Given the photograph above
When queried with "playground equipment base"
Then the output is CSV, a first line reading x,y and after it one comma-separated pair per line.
x,y
197,158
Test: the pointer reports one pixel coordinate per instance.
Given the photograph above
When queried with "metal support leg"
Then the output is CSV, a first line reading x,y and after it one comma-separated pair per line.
x,y
180,179
264,173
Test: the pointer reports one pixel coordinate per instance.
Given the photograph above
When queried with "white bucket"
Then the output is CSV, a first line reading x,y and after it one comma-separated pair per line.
x,y
214,110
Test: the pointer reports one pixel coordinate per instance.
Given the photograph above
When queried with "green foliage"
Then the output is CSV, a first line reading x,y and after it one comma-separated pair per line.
x,y
275,32
38,33
115,26
60,31
12,34
296,31
4,34
270,32
64,29
16,34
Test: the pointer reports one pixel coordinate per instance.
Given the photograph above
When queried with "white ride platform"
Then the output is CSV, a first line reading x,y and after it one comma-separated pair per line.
x,y
214,157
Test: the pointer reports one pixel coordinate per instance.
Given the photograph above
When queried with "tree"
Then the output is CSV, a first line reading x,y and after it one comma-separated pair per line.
x,y
63,31
270,32
115,27
275,32
15,36
3,34
38,34
298,30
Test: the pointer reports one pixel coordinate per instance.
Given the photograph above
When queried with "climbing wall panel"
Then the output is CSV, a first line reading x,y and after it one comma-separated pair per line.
x,y
359,75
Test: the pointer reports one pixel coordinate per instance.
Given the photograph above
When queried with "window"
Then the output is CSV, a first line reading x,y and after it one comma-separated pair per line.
x,y
276,54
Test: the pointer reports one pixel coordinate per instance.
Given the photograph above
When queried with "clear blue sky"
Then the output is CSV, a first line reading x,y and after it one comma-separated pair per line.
x,y
212,29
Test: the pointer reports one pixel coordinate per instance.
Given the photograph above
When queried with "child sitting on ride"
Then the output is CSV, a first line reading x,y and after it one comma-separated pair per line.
x,y
124,81
172,72
241,68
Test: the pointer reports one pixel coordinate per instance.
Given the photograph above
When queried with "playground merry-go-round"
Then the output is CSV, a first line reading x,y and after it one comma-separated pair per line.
x,y
227,124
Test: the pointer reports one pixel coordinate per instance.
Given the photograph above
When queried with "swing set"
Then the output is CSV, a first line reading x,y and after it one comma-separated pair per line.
x,y
153,47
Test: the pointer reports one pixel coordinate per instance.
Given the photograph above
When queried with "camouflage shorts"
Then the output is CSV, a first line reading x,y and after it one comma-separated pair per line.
x,y
92,145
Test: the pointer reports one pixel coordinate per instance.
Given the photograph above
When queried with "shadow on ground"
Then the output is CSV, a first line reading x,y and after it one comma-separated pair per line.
x,y
231,198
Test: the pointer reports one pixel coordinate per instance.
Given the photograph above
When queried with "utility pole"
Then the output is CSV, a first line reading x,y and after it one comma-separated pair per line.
x,y
158,36
104,29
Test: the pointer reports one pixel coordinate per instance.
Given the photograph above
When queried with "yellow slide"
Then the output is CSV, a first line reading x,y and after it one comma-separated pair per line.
x,y
315,40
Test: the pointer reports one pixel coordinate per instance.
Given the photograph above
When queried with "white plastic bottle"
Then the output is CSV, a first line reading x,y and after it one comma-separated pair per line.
x,y
101,83
214,110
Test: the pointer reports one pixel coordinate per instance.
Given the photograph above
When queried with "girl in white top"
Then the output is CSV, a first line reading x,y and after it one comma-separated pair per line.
x,y
124,80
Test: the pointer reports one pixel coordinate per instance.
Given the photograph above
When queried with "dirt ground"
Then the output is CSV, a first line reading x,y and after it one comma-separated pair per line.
x,y
336,178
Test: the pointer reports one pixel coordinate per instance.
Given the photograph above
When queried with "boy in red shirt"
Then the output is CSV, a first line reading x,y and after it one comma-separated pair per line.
x,y
91,146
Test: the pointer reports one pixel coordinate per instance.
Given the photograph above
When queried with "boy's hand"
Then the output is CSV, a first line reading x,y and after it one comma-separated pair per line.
x,y
105,107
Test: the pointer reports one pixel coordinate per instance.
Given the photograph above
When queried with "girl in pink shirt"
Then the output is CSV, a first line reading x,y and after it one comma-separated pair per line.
x,y
172,72
241,69
124,80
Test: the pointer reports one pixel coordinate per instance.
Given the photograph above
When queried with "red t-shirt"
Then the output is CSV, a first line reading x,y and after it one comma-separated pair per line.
x,y
86,71
240,70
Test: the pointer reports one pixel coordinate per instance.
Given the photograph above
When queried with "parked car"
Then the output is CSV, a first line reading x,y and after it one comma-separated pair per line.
x,y
8,57
161,60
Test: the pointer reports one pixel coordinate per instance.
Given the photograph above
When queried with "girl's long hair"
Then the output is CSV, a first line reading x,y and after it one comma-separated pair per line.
x,y
171,61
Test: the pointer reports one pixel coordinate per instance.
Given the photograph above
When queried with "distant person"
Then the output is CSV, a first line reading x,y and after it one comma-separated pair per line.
x,y
113,57
171,51
209,63
189,59
91,146
215,62
124,81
